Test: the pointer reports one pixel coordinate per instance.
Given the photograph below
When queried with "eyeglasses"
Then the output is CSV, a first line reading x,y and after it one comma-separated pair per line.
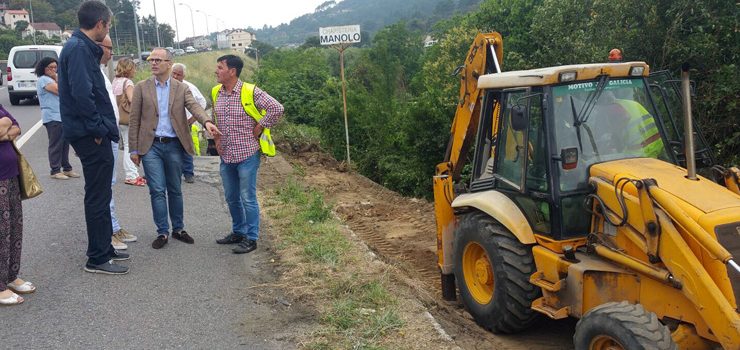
x,y
156,60
51,67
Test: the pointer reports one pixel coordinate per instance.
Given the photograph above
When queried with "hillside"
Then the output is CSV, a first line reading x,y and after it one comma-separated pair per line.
x,y
370,15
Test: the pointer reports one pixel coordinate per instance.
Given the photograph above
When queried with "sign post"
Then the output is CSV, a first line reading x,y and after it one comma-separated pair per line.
x,y
341,38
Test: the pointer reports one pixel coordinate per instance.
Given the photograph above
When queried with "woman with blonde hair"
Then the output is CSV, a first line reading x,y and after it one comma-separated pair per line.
x,y
123,89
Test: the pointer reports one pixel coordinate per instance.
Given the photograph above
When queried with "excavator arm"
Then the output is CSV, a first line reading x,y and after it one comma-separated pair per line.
x,y
484,57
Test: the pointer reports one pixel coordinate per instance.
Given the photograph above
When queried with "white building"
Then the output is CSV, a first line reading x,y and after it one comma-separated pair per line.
x,y
201,42
222,40
10,17
49,29
240,38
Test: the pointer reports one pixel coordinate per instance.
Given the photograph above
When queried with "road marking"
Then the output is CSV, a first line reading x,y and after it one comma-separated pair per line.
x,y
28,135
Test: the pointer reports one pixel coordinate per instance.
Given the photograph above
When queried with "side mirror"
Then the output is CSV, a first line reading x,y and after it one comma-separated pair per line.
x,y
518,118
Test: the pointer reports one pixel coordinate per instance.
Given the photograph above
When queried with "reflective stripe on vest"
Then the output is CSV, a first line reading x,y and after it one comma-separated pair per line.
x,y
642,129
247,99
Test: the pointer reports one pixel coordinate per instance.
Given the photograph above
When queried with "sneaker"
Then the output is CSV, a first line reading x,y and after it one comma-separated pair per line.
x,y
190,179
108,268
59,176
245,246
117,244
183,236
124,236
231,238
119,256
159,242
71,174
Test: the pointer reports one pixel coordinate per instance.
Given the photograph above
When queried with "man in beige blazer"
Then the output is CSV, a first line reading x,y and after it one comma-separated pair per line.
x,y
159,134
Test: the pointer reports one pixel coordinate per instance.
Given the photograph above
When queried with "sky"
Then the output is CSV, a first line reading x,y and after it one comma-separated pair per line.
x,y
226,14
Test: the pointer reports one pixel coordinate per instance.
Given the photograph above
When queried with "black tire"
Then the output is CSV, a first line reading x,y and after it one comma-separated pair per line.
x,y
14,100
628,325
511,262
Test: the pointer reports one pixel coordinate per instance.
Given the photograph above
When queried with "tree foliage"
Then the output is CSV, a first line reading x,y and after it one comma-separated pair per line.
x,y
401,97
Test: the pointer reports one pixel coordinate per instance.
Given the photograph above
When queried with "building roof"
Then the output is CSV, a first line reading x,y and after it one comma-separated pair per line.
x,y
16,12
45,26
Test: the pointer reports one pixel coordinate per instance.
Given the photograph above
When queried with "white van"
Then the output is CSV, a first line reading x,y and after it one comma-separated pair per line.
x,y
21,65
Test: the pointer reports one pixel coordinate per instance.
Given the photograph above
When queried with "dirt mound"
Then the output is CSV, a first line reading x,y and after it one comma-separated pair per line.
x,y
402,232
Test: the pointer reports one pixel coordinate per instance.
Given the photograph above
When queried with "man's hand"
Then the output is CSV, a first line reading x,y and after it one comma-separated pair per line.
x,y
98,140
212,129
257,131
136,159
217,140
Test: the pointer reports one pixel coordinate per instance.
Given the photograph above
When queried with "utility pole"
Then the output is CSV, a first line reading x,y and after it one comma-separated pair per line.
x,y
177,30
156,24
33,31
136,29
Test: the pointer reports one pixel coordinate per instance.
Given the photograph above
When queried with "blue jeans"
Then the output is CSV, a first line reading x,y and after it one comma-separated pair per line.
x,y
240,190
187,164
163,168
113,217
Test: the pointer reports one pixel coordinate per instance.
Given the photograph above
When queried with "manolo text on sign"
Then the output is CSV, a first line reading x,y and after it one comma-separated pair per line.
x,y
340,35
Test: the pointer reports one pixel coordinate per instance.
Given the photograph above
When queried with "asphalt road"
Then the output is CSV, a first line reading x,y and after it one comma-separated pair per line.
x,y
182,296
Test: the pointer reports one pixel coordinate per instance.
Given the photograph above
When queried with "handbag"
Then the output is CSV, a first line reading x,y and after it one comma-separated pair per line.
x,y
29,183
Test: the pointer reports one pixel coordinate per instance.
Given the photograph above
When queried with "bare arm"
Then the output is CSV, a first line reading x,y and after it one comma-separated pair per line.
x,y
8,131
130,92
53,88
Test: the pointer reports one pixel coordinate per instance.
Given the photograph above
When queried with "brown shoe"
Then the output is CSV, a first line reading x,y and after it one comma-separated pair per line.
x,y
183,236
159,242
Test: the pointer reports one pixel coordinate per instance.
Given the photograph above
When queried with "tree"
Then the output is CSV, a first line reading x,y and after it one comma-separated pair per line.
x,y
21,26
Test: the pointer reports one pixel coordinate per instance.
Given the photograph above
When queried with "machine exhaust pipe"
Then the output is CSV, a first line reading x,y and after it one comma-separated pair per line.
x,y
688,126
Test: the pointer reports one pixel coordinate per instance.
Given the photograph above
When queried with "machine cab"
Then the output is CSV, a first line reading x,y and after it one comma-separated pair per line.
x,y
540,131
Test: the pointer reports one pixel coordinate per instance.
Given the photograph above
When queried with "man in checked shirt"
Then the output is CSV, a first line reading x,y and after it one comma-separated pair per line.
x,y
239,147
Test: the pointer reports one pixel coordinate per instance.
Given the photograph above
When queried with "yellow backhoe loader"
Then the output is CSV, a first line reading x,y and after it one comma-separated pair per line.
x,y
583,199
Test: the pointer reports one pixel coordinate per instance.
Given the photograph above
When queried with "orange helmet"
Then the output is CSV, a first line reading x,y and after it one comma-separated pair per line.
x,y
615,55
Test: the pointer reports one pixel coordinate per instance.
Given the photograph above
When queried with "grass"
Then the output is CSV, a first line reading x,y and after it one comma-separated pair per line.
x,y
201,69
356,308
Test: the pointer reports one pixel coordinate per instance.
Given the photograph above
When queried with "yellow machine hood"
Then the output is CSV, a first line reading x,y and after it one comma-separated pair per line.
x,y
692,195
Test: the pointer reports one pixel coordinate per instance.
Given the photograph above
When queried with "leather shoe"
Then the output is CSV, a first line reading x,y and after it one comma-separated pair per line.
x,y
159,242
245,246
231,238
183,236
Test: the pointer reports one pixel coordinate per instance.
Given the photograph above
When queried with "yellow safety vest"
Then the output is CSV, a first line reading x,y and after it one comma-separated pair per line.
x,y
642,132
247,98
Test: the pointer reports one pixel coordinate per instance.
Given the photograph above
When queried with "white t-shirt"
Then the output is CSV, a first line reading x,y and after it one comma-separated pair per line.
x,y
198,97
109,87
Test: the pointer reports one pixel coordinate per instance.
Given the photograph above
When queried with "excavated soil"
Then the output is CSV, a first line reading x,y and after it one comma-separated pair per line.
x,y
401,231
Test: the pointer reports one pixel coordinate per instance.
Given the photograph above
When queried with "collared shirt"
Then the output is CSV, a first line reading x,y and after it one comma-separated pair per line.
x,y
238,141
164,126
197,95
84,105
109,87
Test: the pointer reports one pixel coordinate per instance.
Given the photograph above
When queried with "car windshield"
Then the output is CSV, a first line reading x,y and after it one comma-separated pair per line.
x,y
614,123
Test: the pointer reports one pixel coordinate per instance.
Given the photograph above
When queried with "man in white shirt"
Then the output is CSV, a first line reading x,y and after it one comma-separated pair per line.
x,y
119,235
178,72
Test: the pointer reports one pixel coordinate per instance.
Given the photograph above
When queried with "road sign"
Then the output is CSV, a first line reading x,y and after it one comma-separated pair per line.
x,y
340,35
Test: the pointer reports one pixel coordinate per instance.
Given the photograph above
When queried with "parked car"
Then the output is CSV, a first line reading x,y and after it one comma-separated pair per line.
x,y
21,64
145,55
179,52
190,49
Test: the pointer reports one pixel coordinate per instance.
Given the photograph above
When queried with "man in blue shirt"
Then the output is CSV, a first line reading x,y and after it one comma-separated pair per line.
x,y
89,125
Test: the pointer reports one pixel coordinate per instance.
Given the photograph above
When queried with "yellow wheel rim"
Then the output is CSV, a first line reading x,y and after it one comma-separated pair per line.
x,y
605,342
477,273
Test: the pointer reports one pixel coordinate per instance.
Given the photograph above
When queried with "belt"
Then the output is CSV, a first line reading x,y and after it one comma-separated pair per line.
x,y
164,139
